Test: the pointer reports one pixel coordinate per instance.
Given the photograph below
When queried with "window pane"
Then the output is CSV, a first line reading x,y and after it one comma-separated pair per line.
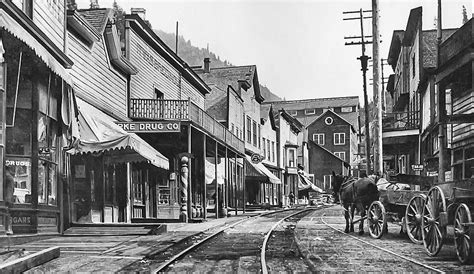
x,y
52,185
42,186
20,170
19,136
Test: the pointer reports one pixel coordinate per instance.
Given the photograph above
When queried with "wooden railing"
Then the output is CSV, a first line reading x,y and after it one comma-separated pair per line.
x,y
401,120
183,110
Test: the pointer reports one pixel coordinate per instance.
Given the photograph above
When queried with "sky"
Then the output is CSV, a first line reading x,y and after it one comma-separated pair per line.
x,y
297,45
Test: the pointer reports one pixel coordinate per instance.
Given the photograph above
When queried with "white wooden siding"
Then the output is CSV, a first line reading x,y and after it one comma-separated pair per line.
x,y
48,15
95,80
463,105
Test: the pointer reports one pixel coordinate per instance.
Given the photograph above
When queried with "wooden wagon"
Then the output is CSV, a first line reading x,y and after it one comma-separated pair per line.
x,y
426,213
450,203
400,205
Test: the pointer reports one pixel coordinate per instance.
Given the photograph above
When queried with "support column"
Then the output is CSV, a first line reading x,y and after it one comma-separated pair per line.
x,y
205,185
129,207
216,206
236,166
3,97
183,215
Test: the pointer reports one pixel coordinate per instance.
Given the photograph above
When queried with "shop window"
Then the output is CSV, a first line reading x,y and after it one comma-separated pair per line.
x,y
20,169
47,183
18,139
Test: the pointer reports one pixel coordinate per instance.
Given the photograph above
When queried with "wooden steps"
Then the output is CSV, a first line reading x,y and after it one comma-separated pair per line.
x,y
114,229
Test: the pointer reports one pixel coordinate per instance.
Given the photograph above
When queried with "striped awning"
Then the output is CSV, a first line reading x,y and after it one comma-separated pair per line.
x,y
99,133
259,170
13,27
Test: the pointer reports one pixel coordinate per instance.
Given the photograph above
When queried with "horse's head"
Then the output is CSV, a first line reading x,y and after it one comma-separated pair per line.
x,y
339,179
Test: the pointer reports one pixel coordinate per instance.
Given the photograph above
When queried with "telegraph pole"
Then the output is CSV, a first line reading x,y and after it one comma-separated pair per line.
x,y
363,61
378,151
441,105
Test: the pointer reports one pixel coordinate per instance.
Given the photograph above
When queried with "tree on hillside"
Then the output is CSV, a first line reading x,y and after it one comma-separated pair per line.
x,y
464,15
71,5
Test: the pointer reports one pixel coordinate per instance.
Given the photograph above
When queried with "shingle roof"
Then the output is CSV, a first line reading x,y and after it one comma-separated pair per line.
x,y
316,103
429,42
97,17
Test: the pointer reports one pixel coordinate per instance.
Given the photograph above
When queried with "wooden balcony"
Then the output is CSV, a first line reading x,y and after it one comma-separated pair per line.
x,y
183,110
398,121
462,39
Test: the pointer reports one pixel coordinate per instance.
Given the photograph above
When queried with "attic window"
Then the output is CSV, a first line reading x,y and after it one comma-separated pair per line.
x,y
328,121
346,109
309,111
293,112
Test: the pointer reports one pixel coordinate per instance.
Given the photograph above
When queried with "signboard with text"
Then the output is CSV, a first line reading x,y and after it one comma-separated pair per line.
x,y
150,127
417,167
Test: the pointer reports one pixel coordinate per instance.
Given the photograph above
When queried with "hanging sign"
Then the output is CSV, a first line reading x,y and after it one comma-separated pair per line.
x,y
417,167
150,127
256,158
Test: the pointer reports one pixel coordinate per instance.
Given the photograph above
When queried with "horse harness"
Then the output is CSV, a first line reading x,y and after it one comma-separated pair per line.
x,y
349,183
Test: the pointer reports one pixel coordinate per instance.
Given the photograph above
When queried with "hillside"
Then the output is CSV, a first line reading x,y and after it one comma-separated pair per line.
x,y
194,56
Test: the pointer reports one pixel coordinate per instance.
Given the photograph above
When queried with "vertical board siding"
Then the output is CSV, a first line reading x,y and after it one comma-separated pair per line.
x,y
48,15
95,80
153,72
463,105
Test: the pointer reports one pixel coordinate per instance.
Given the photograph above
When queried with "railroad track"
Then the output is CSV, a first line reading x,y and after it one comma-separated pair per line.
x,y
241,245
327,248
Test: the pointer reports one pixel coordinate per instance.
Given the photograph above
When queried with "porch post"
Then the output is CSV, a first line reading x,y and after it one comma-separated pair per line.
x,y
3,97
129,208
204,181
235,183
183,216
216,206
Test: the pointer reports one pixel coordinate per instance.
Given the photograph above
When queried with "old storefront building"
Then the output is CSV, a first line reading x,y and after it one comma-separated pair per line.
x,y
34,115
114,174
206,158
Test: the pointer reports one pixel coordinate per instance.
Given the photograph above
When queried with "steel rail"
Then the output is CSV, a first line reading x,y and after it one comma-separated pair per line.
x,y
383,249
263,262
176,257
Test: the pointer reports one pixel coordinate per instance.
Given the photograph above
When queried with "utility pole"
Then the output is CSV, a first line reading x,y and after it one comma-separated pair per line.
x,y
363,61
441,104
378,153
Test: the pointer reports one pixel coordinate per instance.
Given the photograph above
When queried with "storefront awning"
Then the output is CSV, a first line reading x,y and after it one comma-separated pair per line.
x,y
261,170
12,26
305,183
98,133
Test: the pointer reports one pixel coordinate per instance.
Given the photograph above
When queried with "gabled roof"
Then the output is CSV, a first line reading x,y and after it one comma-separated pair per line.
x,y
430,49
267,111
294,123
395,48
325,150
332,102
335,114
97,17
232,76
413,25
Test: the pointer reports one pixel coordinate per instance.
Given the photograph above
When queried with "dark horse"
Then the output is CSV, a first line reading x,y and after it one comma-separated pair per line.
x,y
354,193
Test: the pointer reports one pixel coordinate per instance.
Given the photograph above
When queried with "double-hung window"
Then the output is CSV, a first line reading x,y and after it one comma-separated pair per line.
x,y
341,155
339,138
318,138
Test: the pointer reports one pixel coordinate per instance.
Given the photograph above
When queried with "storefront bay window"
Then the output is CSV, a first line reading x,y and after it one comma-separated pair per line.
x,y
31,151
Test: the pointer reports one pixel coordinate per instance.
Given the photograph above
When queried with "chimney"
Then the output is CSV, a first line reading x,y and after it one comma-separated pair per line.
x,y
207,65
139,11
95,4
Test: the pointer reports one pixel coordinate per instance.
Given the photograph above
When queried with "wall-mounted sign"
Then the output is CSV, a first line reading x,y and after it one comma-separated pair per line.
x,y
23,220
417,167
154,127
256,158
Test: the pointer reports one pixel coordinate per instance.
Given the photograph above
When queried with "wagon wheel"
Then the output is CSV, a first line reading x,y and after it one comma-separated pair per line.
x,y
462,237
413,215
377,219
434,221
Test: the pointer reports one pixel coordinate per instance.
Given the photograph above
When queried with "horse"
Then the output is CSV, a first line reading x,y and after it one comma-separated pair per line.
x,y
354,193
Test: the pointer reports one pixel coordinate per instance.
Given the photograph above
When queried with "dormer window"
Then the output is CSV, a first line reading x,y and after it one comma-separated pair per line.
x,y
293,112
309,111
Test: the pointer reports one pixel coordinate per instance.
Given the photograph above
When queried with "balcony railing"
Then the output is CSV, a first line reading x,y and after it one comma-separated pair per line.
x,y
183,110
401,121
